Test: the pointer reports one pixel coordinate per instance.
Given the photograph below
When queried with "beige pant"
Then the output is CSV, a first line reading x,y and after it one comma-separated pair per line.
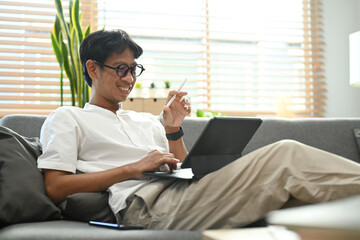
x,y
245,190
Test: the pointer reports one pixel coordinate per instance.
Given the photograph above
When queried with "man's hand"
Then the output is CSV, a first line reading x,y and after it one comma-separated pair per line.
x,y
152,161
178,109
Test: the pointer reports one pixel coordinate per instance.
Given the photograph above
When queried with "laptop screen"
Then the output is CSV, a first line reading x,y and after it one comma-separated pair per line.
x,y
223,136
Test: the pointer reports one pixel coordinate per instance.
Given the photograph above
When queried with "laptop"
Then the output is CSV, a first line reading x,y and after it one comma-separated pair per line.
x,y
220,143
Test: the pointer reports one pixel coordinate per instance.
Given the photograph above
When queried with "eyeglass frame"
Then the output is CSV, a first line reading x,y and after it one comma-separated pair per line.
x,y
126,71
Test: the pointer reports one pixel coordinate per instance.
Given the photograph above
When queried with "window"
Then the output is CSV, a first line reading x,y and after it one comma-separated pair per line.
x,y
240,57
29,72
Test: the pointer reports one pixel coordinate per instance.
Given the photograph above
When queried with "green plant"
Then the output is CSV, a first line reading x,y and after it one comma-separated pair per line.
x,y
138,85
66,38
152,85
167,84
201,113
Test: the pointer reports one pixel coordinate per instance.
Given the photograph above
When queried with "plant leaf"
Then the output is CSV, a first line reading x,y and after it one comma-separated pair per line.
x,y
57,50
57,28
65,53
69,74
61,87
70,11
75,17
87,31
60,14
73,47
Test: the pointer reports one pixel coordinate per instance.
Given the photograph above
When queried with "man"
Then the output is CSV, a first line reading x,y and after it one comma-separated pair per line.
x,y
113,147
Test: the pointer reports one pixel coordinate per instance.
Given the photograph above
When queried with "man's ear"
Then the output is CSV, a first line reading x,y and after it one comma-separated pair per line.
x,y
91,68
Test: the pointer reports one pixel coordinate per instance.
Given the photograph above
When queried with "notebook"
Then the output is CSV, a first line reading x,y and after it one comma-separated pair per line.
x,y
220,143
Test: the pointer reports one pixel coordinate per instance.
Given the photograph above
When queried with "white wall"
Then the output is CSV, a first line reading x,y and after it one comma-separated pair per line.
x,y
341,17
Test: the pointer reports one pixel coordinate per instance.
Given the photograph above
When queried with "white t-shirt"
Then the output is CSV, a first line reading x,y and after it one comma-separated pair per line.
x,y
94,139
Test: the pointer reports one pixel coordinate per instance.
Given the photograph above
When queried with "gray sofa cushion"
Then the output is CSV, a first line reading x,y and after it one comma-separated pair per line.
x,y
82,231
22,191
24,124
85,207
335,135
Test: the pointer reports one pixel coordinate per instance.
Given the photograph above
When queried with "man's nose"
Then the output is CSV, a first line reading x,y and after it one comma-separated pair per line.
x,y
129,77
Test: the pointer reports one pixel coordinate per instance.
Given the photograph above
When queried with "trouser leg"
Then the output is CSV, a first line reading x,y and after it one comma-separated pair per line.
x,y
245,190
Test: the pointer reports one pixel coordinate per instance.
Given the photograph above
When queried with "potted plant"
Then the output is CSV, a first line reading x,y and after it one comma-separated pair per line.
x,y
167,86
66,38
152,90
137,90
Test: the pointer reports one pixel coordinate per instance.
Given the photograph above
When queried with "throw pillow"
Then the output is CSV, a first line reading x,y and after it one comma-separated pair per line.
x,y
22,190
92,206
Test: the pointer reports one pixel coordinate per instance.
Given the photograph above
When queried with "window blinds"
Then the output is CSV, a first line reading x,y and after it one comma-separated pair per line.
x,y
265,58
240,57
172,34
29,72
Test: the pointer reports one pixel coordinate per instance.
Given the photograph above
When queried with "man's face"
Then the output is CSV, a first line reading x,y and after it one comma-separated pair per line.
x,y
109,87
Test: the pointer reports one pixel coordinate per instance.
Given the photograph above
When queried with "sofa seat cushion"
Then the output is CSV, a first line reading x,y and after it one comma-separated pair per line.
x,y
22,191
78,230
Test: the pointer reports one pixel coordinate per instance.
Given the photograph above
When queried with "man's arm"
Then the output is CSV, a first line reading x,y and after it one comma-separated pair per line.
x,y
177,147
173,118
60,184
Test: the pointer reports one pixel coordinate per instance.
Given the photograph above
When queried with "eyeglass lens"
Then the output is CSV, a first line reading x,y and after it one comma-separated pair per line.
x,y
123,69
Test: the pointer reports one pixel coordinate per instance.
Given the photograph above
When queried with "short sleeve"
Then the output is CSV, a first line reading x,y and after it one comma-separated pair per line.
x,y
59,139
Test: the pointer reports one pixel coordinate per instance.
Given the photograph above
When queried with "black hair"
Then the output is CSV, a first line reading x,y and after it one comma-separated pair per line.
x,y
100,45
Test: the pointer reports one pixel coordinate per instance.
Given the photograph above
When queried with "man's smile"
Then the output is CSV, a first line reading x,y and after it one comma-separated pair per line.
x,y
125,89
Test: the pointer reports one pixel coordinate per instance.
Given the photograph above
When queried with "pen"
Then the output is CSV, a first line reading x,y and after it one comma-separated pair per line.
x,y
173,97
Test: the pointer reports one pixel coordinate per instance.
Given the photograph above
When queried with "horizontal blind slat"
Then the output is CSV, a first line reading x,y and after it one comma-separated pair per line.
x,y
29,74
34,98
32,90
31,82
29,66
27,51
27,28
9,58
28,106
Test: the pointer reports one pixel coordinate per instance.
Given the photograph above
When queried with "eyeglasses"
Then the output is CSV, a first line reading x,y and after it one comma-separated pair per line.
x,y
123,69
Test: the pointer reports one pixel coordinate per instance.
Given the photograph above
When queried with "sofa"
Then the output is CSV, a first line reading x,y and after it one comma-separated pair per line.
x,y
336,135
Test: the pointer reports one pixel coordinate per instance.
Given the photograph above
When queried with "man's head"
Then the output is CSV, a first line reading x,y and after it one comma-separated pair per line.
x,y
100,45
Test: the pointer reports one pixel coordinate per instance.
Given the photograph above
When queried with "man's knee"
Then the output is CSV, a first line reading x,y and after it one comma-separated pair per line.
x,y
288,142
288,145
